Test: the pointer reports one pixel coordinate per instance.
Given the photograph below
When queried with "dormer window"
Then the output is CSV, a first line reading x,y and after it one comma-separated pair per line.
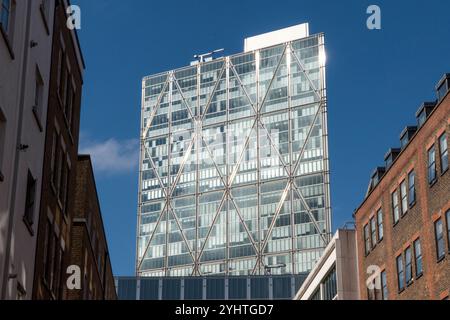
x,y
406,136
375,179
424,111
391,156
443,86
422,118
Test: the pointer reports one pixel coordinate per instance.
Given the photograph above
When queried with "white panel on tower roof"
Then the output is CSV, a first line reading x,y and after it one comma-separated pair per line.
x,y
277,37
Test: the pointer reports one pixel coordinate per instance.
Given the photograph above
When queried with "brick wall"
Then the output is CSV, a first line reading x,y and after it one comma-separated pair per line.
x,y
418,222
56,122
89,240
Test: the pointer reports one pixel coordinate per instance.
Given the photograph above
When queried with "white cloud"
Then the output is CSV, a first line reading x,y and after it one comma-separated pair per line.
x,y
112,156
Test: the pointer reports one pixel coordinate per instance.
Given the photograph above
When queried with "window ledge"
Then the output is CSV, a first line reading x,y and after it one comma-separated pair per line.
x,y
7,41
71,136
419,276
37,118
47,286
44,19
29,226
65,119
66,218
69,128
412,205
60,101
44,282
440,259
432,183
60,205
53,188
444,172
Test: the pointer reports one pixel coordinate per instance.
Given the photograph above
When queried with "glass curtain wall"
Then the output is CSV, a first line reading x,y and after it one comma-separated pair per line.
x,y
234,165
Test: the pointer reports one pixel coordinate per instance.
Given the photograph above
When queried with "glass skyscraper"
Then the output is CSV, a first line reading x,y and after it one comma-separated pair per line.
x,y
234,175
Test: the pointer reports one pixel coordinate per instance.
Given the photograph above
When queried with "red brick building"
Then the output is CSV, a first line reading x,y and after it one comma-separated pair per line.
x,y
403,225
60,159
89,249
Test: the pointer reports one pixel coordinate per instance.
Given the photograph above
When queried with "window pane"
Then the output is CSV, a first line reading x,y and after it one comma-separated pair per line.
x,y
448,228
431,165
171,289
193,289
380,225
215,289
439,239
412,188
395,209
237,288
127,289
418,255
444,152
316,296
384,285
400,273
408,265
38,94
404,196
149,289
367,239
373,226
282,288
30,199
330,286
260,288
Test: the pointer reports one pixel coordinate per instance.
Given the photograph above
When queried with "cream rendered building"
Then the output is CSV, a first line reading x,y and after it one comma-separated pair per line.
x,y
335,276
26,29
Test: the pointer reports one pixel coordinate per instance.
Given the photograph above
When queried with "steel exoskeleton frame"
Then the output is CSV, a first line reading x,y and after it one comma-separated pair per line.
x,y
197,142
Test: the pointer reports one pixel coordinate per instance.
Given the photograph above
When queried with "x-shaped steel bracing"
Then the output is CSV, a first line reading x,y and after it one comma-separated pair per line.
x,y
257,107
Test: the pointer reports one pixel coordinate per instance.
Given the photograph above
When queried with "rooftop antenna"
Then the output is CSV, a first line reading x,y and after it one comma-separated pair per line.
x,y
202,57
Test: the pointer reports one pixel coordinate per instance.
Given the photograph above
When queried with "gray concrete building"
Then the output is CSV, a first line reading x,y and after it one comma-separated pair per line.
x,y
335,277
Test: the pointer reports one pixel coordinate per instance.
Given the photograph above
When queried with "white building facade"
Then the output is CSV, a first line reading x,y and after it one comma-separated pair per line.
x,y
26,29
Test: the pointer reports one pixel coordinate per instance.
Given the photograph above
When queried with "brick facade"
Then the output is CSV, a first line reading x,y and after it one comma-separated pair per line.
x,y
89,249
416,223
60,158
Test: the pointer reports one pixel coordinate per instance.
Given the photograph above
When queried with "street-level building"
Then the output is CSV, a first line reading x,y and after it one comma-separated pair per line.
x,y
60,158
335,276
269,287
234,176
26,34
403,225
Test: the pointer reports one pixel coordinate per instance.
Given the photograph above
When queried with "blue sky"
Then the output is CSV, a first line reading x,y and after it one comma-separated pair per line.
x,y
376,82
